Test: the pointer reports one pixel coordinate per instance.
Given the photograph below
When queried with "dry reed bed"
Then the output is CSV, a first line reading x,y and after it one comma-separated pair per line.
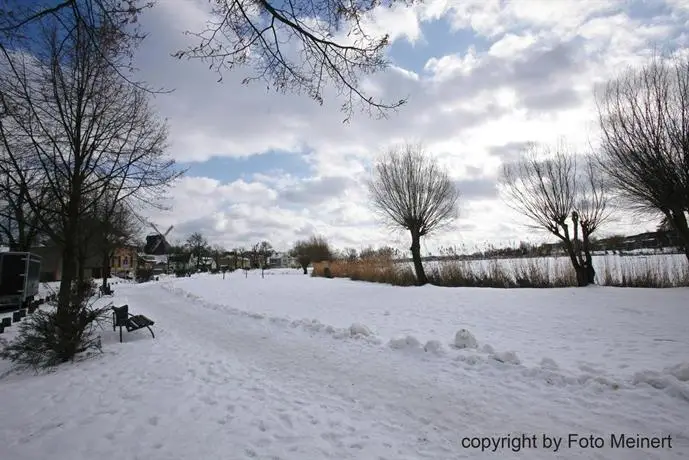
x,y
545,272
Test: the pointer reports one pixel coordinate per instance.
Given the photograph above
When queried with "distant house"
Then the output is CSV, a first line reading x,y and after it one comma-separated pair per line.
x,y
282,260
207,263
157,263
122,263
179,262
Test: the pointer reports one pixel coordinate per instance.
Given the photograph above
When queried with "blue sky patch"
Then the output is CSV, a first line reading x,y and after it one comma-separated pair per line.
x,y
229,169
438,39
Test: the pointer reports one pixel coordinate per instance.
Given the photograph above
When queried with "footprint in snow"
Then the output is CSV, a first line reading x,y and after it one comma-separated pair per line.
x,y
286,420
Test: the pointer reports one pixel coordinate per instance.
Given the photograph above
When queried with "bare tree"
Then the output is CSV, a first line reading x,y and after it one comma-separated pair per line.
x,y
315,249
117,226
410,190
86,130
644,116
265,251
549,187
349,254
217,251
198,247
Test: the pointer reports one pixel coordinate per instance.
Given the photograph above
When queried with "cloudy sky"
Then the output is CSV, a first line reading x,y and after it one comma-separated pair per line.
x,y
482,78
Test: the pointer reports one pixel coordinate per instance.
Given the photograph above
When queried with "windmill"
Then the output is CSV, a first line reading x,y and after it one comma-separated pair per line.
x,y
153,242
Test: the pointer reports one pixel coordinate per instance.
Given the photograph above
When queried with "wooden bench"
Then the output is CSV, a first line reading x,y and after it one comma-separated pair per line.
x,y
122,318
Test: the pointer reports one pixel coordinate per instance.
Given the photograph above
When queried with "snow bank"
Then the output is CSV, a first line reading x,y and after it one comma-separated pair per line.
x,y
673,380
618,346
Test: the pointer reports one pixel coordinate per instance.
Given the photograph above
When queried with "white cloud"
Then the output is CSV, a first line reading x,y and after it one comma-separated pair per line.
x,y
472,109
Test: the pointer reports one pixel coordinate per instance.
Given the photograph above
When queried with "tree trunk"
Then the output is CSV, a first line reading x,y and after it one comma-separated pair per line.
x,y
679,221
588,259
416,257
304,267
580,270
105,267
69,268
81,262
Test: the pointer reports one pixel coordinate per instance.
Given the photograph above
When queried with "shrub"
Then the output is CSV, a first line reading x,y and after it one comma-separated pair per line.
x,y
144,274
373,269
48,338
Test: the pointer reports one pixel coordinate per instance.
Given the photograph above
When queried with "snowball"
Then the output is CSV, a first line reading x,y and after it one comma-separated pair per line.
x,y
506,357
433,346
407,342
358,329
465,339
488,349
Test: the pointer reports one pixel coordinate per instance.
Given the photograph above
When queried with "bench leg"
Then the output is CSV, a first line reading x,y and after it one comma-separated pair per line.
x,y
120,334
151,331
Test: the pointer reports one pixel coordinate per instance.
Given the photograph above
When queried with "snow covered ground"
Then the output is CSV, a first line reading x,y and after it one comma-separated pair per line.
x,y
294,367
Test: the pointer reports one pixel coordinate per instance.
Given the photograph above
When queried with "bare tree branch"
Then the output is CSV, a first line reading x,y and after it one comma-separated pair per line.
x,y
292,46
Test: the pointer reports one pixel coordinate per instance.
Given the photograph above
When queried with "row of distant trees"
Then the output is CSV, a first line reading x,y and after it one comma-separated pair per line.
x,y
314,249
197,246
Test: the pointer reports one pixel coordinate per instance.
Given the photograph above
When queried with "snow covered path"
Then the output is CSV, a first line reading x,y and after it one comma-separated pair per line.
x,y
219,386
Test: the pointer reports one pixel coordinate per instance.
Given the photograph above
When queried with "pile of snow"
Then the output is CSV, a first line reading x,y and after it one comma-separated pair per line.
x,y
509,357
407,343
465,339
549,363
673,380
433,346
359,330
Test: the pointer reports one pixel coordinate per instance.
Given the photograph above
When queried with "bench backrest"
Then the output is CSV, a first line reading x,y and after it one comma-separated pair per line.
x,y
121,314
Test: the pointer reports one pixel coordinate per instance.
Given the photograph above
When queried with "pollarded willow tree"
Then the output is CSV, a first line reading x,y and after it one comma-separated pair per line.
x,y
562,193
644,117
315,249
410,190
300,46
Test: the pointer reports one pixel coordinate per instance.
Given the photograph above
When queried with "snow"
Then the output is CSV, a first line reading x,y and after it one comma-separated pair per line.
x,y
465,339
294,367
